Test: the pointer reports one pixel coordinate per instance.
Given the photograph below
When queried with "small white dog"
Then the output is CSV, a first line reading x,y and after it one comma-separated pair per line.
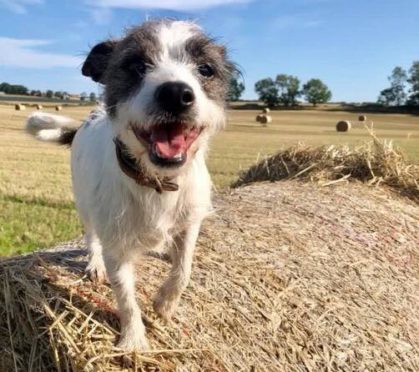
x,y
138,165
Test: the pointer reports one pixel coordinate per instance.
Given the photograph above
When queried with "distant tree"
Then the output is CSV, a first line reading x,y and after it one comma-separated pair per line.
x,y
236,89
267,91
396,93
288,89
83,96
49,93
92,97
413,80
387,97
5,87
59,95
316,92
13,88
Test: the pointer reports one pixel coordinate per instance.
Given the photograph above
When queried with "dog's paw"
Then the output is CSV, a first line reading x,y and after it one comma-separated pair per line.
x,y
96,272
164,307
133,342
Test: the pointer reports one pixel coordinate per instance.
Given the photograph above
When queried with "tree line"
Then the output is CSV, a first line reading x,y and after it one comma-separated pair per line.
x,y
284,90
22,90
403,89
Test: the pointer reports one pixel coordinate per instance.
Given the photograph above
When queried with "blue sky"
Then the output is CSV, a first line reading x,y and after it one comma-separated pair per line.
x,y
351,45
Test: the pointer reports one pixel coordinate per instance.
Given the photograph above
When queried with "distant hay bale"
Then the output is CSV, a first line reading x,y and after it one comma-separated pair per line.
x,y
343,126
362,118
266,110
259,118
20,107
265,119
58,108
38,107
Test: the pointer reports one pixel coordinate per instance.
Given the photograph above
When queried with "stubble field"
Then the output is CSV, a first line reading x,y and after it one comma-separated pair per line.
x,y
35,189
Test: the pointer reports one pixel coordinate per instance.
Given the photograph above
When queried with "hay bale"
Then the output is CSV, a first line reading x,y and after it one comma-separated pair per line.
x,y
266,110
58,108
343,126
38,107
376,162
259,118
265,119
362,118
260,298
20,107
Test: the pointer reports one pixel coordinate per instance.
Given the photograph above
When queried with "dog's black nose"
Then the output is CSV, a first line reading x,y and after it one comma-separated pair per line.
x,y
175,96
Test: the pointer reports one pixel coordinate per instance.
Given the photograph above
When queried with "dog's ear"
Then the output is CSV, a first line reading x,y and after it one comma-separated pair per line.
x,y
97,61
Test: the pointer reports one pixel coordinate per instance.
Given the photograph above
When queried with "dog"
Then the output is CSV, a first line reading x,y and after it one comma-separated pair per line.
x,y
138,166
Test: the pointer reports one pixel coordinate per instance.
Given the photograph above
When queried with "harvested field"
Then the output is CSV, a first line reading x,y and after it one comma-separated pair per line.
x,y
288,276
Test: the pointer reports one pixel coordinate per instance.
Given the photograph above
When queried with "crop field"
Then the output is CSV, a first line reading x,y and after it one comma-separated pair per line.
x,y
35,190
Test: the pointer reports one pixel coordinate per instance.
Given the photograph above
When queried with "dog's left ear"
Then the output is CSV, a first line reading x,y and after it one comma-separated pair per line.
x,y
97,61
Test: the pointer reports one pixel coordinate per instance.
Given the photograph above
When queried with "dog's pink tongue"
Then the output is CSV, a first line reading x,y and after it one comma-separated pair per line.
x,y
169,142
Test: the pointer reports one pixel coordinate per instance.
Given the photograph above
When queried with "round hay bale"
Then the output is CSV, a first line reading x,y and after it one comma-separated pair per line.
x,y
38,107
259,118
266,110
333,299
362,118
343,126
20,107
58,108
266,119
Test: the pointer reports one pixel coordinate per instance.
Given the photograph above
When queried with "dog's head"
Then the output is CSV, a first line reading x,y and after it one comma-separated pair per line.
x,y
165,84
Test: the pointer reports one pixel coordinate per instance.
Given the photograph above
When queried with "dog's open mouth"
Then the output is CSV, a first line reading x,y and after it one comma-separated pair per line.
x,y
168,144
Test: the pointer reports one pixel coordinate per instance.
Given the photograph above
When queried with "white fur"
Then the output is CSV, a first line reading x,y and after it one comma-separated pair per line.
x,y
122,219
47,127
131,219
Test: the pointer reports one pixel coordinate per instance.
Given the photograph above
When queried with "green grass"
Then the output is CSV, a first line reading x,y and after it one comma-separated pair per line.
x,y
26,225
35,192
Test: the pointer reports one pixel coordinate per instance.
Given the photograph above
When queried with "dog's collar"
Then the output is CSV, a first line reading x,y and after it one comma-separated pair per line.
x,y
129,166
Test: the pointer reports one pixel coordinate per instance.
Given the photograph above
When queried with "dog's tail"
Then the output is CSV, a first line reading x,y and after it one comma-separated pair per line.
x,y
52,128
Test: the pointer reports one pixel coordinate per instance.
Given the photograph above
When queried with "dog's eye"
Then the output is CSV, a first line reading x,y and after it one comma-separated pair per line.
x,y
135,66
206,70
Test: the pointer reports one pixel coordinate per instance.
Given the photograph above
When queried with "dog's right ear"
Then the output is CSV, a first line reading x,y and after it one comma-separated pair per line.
x,y
97,61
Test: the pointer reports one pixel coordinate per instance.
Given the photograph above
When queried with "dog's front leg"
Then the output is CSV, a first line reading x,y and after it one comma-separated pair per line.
x,y
121,274
182,254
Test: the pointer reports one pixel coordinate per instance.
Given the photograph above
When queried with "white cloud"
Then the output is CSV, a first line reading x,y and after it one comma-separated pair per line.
x,y
19,6
25,53
180,5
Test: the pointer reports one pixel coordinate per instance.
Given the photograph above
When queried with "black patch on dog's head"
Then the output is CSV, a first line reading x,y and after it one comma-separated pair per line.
x,y
134,54
97,61
204,51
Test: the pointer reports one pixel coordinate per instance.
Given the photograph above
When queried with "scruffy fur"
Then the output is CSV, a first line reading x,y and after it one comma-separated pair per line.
x,y
121,218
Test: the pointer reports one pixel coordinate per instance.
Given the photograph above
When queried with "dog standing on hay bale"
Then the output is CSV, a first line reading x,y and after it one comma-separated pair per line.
x,y
138,169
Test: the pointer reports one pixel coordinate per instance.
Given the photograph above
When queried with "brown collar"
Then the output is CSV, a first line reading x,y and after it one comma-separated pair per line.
x,y
132,169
